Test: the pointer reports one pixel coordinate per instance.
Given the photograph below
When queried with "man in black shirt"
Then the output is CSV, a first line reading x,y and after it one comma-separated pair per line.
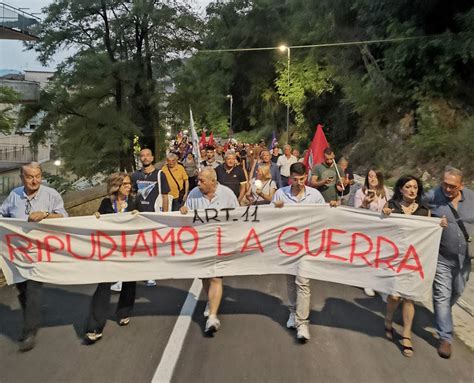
x,y
145,184
232,176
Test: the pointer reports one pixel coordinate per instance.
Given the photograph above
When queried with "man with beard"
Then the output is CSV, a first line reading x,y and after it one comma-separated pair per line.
x,y
299,292
147,188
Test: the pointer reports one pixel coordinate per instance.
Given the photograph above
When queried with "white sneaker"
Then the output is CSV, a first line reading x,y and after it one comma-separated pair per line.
x,y
212,325
150,283
117,287
206,310
302,332
291,323
369,292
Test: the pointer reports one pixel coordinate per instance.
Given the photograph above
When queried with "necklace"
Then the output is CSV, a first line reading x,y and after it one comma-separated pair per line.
x,y
410,208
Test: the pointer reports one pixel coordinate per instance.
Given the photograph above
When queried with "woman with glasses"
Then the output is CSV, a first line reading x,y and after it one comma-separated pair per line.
x,y
119,200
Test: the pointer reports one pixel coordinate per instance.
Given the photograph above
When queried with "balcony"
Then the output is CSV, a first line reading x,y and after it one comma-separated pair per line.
x,y
15,24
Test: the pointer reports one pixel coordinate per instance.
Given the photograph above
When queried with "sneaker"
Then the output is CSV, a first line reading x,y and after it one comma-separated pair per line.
x,y
92,337
212,325
124,321
369,292
291,323
117,287
150,283
302,333
206,310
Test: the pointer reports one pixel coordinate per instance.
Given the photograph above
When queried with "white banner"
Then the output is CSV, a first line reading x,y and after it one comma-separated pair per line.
x,y
395,255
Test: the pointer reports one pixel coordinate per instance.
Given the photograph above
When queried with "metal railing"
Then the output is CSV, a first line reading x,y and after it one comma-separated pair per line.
x,y
8,183
16,153
17,19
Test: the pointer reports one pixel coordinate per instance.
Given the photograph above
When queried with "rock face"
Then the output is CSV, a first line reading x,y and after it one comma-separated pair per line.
x,y
407,125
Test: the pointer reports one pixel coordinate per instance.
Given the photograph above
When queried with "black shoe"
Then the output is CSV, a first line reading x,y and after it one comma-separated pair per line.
x,y
92,337
28,343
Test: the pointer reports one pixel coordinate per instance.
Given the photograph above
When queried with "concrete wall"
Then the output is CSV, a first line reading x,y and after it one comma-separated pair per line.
x,y
84,202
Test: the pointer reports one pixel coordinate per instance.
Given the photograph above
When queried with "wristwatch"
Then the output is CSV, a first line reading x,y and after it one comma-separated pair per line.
x,y
46,214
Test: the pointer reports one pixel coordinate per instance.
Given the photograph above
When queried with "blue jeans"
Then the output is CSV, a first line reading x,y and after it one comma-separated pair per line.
x,y
448,285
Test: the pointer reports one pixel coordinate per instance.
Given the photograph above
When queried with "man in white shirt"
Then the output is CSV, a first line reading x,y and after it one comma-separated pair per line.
x,y
284,162
207,195
299,292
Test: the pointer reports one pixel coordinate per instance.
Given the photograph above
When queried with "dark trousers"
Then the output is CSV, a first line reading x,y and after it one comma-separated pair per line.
x,y
99,309
30,296
176,204
284,181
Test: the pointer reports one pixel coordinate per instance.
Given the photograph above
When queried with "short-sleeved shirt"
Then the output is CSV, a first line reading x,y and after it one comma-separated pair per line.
x,y
146,187
213,164
179,174
453,244
284,163
232,179
46,199
310,195
223,198
323,171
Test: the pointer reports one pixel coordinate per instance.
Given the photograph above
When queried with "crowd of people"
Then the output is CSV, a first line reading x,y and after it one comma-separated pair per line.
x,y
235,174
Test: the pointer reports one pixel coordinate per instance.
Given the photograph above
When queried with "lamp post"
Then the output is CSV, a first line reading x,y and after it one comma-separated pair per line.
x,y
231,102
282,49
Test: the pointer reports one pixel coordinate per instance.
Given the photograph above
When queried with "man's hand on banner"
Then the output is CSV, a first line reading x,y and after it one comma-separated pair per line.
x,y
279,204
184,210
37,216
334,203
97,214
444,222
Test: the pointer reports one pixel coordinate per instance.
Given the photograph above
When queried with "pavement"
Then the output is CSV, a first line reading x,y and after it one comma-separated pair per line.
x,y
253,344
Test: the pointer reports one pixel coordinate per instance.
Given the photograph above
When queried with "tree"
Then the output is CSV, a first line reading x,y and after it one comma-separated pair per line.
x,y
8,98
106,92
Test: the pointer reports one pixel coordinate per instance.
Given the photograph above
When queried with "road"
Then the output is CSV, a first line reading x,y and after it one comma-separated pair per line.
x,y
253,345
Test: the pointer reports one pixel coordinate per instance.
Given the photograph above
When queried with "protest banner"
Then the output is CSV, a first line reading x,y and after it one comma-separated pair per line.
x,y
395,254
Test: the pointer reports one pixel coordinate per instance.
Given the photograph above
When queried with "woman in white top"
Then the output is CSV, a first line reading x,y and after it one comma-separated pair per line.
x,y
262,187
373,196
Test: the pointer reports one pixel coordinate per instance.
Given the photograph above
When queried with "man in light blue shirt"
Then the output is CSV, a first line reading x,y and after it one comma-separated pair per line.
x,y
209,194
32,202
299,292
455,202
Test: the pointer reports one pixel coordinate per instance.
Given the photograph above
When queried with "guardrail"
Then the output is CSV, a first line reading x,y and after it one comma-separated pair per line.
x,y
8,183
17,19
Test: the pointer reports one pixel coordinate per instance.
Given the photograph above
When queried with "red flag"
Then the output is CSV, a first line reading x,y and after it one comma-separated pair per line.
x,y
315,153
211,141
202,141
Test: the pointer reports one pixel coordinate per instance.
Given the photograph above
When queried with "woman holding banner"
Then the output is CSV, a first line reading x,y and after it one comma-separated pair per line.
x,y
262,187
373,196
119,188
406,200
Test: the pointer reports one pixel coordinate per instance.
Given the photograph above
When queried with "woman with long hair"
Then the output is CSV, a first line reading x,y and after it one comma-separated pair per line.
x,y
372,196
406,199
119,200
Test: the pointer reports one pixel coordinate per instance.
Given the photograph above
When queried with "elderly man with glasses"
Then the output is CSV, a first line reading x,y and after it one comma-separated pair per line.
x,y
32,202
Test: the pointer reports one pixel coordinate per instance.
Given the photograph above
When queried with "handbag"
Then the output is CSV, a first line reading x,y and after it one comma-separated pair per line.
x,y
159,198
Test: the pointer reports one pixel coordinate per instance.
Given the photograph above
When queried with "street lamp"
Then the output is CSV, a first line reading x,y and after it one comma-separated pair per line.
x,y
231,101
283,48
57,163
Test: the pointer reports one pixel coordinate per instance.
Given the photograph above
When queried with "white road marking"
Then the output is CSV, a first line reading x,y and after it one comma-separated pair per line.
x,y
164,371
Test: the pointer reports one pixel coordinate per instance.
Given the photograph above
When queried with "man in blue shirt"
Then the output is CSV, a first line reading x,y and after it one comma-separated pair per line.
x,y
207,195
299,292
32,202
452,200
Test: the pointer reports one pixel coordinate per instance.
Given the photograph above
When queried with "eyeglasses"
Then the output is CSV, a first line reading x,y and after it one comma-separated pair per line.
x,y
27,207
449,186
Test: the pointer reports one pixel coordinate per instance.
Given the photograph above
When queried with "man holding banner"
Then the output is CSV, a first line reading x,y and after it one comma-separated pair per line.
x,y
210,194
456,203
32,202
299,292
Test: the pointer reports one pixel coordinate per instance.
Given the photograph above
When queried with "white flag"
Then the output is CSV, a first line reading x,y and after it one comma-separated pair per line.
x,y
195,140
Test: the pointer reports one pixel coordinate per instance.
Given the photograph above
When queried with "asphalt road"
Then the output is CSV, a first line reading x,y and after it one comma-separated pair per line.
x,y
253,345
